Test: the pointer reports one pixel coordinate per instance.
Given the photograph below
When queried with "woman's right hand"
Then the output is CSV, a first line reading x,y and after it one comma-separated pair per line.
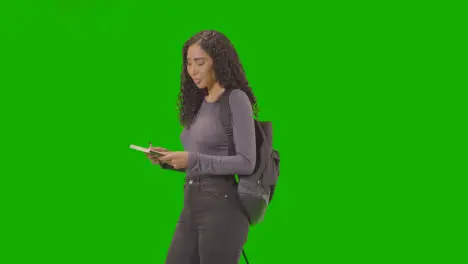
x,y
154,159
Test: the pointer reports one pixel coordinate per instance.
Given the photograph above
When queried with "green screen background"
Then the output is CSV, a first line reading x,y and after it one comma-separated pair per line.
x,y
365,173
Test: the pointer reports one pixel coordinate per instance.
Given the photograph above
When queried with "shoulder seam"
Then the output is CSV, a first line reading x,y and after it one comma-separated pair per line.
x,y
239,93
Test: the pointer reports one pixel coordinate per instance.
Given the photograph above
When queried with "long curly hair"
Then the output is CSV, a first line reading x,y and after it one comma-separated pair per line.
x,y
227,68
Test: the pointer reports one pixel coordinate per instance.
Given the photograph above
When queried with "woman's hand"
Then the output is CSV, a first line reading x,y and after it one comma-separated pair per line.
x,y
153,158
178,159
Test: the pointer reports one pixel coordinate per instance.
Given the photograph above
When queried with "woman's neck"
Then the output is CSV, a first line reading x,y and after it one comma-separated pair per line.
x,y
214,92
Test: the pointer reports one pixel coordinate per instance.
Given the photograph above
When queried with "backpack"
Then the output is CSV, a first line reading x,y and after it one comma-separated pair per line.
x,y
255,191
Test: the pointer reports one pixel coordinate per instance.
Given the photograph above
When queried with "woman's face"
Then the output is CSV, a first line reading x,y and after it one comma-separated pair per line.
x,y
200,67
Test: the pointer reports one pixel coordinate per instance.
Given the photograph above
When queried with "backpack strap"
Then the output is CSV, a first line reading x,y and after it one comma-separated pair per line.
x,y
226,120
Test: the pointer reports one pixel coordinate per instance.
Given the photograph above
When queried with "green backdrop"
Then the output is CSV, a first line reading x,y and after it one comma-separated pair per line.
x,y
364,177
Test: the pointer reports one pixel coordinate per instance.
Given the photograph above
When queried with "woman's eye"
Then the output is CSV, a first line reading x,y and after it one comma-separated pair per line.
x,y
198,64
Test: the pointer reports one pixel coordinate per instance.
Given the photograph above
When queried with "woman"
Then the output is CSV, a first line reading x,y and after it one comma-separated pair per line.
x,y
212,228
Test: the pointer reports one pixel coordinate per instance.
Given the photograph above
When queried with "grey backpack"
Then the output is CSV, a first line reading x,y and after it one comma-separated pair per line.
x,y
255,191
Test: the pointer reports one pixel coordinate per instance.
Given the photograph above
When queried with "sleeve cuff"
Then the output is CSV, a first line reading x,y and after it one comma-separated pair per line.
x,y
192,160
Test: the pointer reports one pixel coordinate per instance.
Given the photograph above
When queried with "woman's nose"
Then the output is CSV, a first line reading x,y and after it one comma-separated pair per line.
x,y
193,72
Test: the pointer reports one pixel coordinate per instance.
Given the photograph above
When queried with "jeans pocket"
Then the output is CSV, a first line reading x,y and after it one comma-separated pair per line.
x,y
216,190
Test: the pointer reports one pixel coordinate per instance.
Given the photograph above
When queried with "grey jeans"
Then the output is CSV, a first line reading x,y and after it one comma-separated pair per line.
x,y
212,228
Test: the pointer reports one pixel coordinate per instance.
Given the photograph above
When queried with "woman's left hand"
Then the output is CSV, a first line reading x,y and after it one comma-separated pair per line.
x,y
178,159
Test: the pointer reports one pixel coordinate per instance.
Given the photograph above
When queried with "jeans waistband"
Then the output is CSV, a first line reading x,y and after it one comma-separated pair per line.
x,y
208,178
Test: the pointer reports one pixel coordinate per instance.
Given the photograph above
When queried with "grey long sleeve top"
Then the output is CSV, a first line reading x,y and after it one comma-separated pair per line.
x,y
207,143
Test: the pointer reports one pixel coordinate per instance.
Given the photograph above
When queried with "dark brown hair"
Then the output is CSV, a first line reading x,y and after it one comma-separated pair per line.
x,y
227,68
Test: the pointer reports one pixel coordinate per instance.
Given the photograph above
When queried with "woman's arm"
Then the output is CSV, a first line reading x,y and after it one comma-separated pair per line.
x,y
243,163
